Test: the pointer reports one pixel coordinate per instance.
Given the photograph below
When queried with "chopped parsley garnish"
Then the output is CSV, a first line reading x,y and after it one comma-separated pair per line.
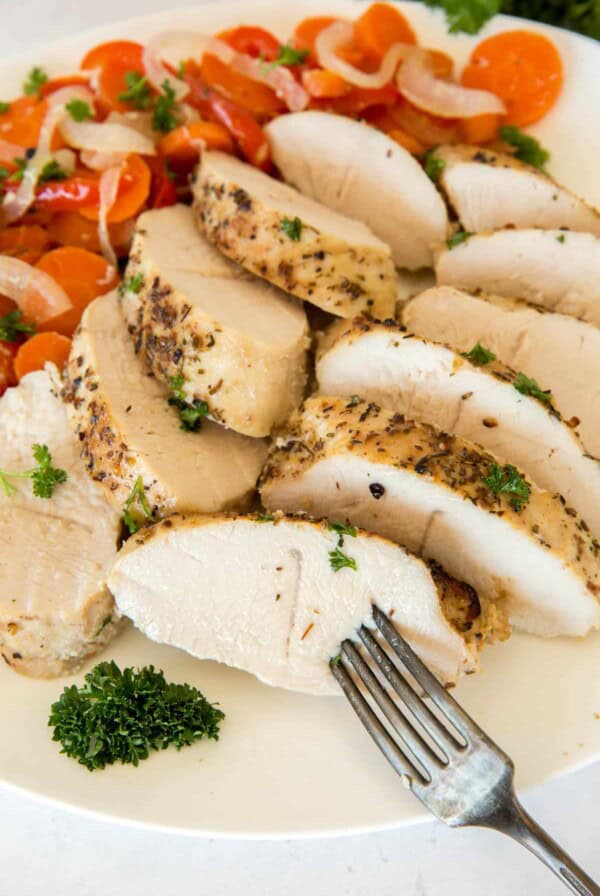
x,y
457,238
528,386
35,80
44,477
190,413
4,108
138,92
163,117
468,16
561,238
342,529
51,171
79,110
121,716
137,495
335,660
528,149
479,355
471,15
289,55
131,284
432,165
508,481
292,227
265,518
338,560
12,327
17,175
181,69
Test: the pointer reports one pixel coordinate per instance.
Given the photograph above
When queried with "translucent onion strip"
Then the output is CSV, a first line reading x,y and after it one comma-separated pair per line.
x,y
418,84
109,186
38,296
340,33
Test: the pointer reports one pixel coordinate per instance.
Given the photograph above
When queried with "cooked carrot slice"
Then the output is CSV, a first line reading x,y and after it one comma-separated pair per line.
x,y
258,98
523,68
72,229
8,377
134,188
22,122
23,238
6,305
410,143
55,84
114,59
441,63
182,146
83,276
479,129
380,27
42,347
358,100
323,84
427,129
307,32
253,40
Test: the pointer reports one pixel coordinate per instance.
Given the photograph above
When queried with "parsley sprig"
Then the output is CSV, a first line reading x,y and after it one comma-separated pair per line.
x,y
121,716
292,227
137,92
508,481
468,16
44,477
34,81
52,171
191,414
527,148
528,386
337,558
79,110
479,355
12,327
137,496
163,117
132,284
433,165
461,236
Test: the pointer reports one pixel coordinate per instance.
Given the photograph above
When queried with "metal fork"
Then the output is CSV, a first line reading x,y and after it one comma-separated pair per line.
x,y
445,758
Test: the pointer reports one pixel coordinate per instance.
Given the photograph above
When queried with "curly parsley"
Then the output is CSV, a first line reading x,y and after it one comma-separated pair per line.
x,y
479,355
132,284
432,165
526,148
79,110
163,117
528,386
137,495
44,477
137,92
508,481
51,171
121,716
292,227
192,413
12,327
34,81
461,236
337,558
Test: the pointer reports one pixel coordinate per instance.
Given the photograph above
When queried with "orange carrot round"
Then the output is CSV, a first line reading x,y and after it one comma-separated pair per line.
x,y
181,147
72,229
113,61
22,121
323,84
380,27
523,68
307,32
258,98
83,276
22,239
479,129
42,347
134,188
8,376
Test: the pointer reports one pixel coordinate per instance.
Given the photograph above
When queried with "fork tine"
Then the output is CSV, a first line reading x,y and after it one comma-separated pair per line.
x,y
417,748
399,762
442,738
440,696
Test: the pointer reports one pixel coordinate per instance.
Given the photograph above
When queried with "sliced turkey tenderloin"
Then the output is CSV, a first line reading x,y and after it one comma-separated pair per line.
x,y
56,552
425,489
361,172
557,269
559,351
265,597
128,429
428,381
291,240
489,190
239,344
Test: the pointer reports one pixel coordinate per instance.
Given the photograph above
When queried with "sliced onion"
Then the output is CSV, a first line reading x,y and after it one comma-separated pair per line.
x,y
100,161
186,45
340,33
418,84
138,121
10,151
16,203
66,160
104,136
109,186
38,295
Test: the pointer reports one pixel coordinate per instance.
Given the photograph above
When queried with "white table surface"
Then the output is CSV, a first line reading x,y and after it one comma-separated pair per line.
x,y
59,852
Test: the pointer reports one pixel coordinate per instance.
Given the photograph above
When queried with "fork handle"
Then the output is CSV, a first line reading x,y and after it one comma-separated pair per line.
x,y
526,831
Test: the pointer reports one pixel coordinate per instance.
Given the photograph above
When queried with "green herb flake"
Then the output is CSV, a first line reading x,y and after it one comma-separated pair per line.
x,y
106,621
342,528
79,110
51,171
137,496
4,108
527,148
457,238
479,355
433,165
528,386
132,284
289,55
17,175
44,477
121,716
35,80
292,227
137,92
338,560
561,238
181,69
13,327
335,660
163,117
468,16
265,518
191,414
508,481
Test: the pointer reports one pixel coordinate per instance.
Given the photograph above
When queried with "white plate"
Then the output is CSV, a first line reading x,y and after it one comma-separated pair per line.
x,y
289,765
